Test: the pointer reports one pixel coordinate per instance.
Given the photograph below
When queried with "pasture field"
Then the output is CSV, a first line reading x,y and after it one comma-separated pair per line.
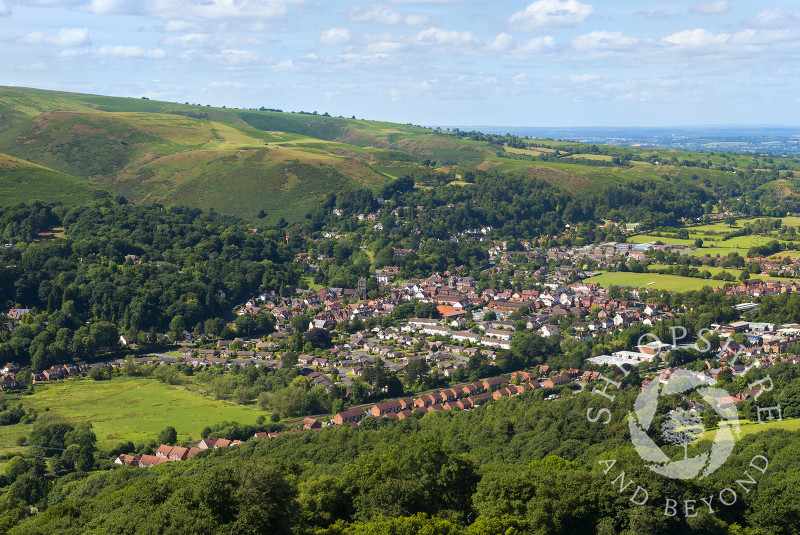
x,y
648,238
125,408
653,280
747,427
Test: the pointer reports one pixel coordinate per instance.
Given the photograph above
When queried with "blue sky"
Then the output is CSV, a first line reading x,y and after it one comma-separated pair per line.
x,y
434,62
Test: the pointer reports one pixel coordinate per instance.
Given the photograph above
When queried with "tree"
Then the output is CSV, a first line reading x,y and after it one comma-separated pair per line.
x,y
416,370
730,220
176,327
789,399
288,360
319,337
167,436
681,428
300,322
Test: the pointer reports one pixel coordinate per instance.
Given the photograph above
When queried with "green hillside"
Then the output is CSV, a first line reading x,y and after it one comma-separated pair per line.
x,y
22,181
246,162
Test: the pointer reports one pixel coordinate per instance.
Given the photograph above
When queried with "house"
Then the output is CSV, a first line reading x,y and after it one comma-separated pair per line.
x,y
549,330
178,453
472,388
146,461
128,460
558,380
206,443
465,403
350,415
163,451
493,383
406,404
382,409
311,423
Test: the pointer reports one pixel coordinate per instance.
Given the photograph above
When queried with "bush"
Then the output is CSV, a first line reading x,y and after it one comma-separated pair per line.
x,y
99,374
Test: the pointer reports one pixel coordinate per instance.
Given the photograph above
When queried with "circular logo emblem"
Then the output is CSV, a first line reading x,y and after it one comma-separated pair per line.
x,y
681,427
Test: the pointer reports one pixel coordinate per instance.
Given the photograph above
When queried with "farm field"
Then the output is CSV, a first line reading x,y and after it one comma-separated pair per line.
x,y
123,408
747,427
654,281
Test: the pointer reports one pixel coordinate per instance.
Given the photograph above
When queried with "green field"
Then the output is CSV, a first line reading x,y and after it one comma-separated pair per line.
x,y
653,280
649,238
747,427
122,408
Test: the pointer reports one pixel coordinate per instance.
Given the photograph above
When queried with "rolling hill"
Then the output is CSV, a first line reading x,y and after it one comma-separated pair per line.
x,y
246,162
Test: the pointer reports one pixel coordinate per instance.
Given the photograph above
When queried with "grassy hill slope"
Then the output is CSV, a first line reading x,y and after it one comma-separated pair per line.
x,y
22,181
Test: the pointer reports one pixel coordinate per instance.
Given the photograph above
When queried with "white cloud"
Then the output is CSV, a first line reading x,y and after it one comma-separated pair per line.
x,y
703,42
440,37
179,26
545,15
116,51
235,58
385,47
115,6
63,37
197,9
229,85
776,18
501,42
712,8
335,36
597,41
130,51
196,41
697,38
39,66
654,15
315,63
533,48
4,9
383,15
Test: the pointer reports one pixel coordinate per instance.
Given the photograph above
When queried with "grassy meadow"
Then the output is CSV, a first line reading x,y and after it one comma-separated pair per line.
x,y
655,281
124,408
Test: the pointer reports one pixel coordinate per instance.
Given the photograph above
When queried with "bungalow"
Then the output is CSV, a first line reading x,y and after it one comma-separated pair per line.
x,y
558,380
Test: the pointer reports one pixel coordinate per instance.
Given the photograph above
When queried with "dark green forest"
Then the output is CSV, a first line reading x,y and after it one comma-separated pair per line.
x,y
520,465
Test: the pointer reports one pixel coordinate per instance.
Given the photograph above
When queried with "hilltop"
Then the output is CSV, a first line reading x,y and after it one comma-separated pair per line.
x,y
261,163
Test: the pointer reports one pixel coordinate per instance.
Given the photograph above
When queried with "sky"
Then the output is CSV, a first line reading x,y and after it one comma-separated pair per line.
x,y
428,62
